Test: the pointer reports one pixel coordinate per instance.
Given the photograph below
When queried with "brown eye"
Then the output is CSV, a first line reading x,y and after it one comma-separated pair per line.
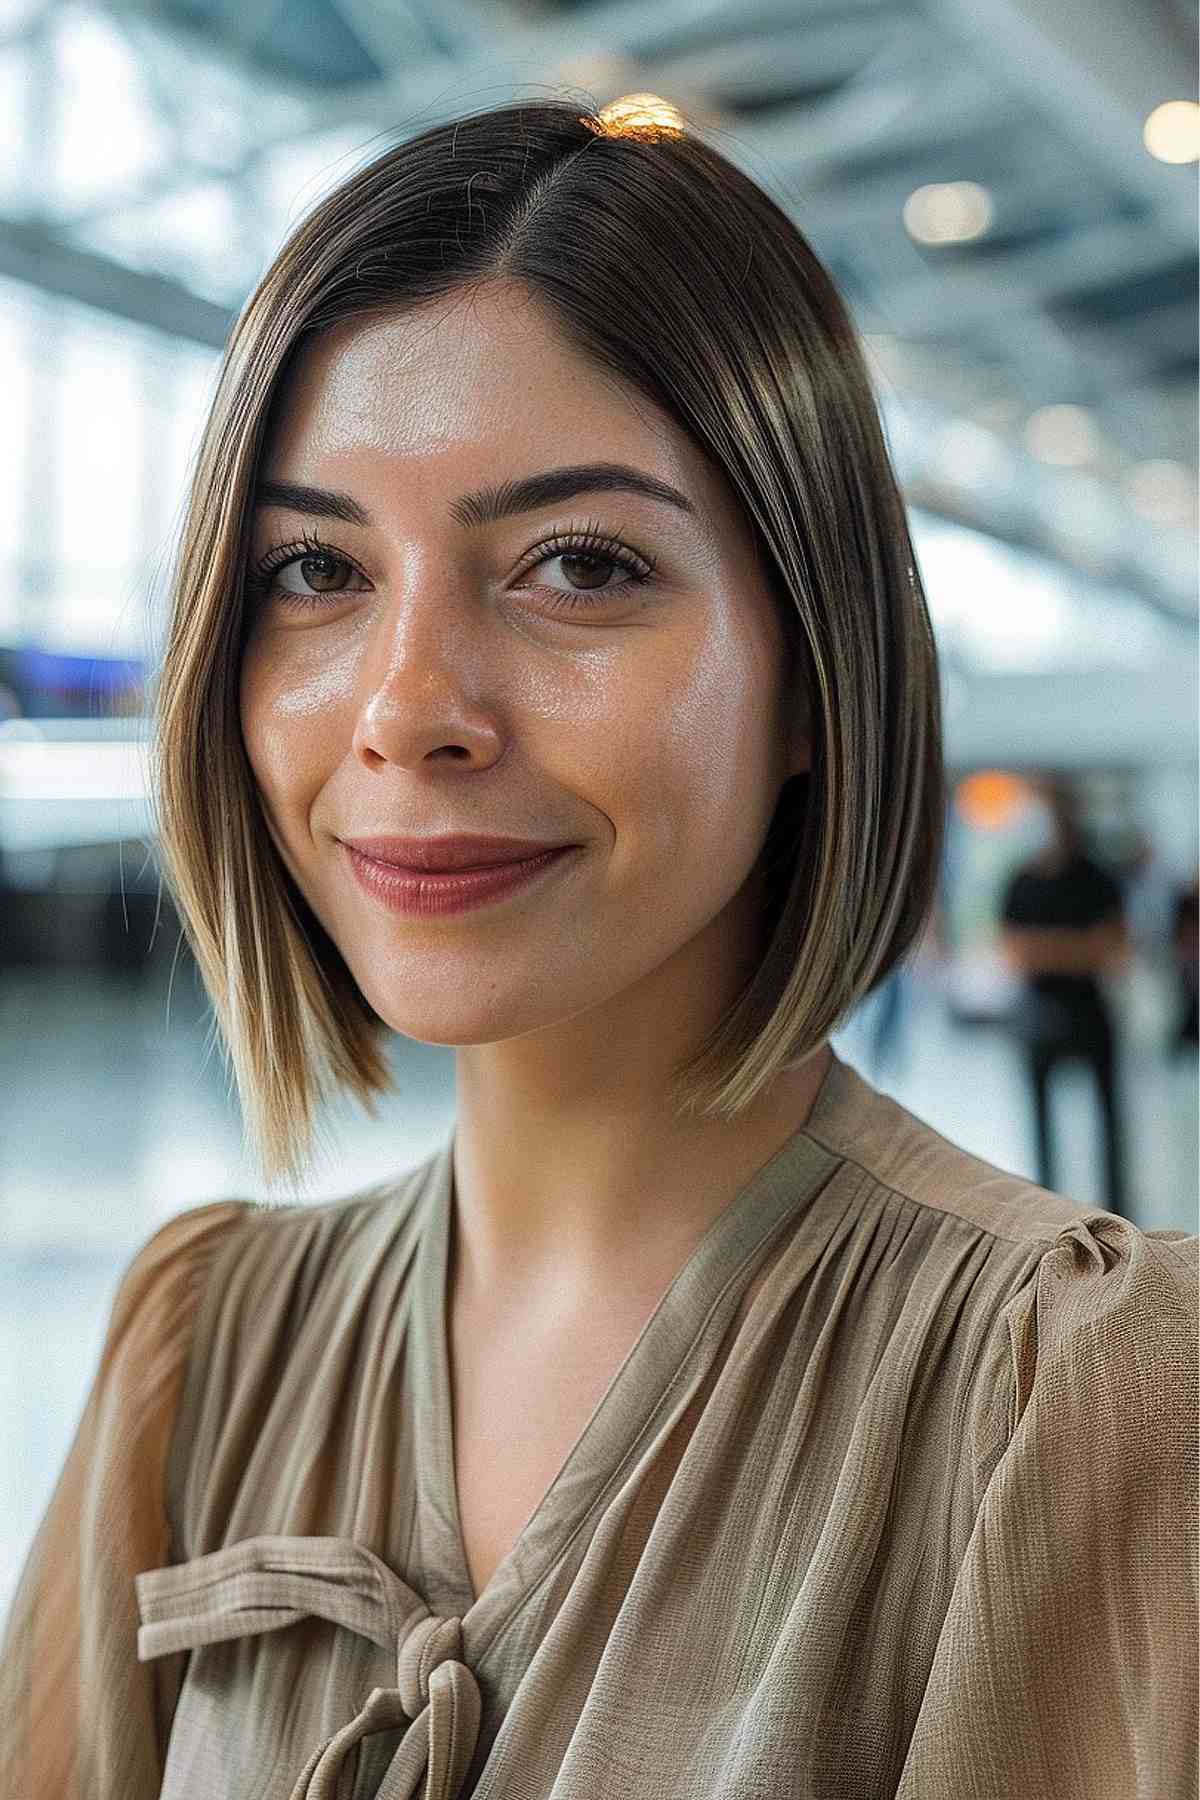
x,y
590,562
302,573
594,570
321,573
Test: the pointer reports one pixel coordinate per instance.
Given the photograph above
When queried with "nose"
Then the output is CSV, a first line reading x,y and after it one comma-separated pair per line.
x,y
402,727
420,695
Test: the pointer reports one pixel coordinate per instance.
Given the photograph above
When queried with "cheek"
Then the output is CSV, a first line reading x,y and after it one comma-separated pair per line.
x,y
285,752
715,736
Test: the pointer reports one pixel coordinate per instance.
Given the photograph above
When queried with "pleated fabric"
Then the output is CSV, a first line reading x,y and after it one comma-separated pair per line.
x,y
895,1494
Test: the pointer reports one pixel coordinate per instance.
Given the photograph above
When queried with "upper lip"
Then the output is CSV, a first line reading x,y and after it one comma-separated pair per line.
x,y
439,853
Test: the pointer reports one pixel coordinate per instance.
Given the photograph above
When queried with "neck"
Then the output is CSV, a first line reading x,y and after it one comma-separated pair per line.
x,y
578,1200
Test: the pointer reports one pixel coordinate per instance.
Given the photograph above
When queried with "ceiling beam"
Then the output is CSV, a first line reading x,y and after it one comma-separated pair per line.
x,y
1018,283
30,253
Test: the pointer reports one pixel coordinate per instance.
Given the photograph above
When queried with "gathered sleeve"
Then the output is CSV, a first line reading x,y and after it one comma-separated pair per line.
x,y
80,1717
1066,1668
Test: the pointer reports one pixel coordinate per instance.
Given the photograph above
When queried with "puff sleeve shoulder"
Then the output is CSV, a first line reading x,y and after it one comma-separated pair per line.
x,y
80,1717
1066,1668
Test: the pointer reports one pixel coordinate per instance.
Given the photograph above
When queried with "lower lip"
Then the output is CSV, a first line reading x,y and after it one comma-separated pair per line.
x,y
420,895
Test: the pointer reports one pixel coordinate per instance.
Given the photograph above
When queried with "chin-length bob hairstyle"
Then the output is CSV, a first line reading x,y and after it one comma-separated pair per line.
x,y
666,265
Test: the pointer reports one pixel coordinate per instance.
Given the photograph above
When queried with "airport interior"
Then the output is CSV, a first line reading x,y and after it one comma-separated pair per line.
x,y
1004,193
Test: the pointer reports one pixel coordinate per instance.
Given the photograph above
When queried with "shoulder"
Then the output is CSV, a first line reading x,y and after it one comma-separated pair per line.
x,y
903,1153
1066,1338
158,1288
225,1257
261,1270
1056,1278
352,1229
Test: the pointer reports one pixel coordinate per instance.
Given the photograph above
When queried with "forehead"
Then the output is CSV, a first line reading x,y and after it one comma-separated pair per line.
x,y
485,374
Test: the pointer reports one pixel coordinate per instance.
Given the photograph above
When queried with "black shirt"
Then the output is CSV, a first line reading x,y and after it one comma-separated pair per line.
x,y
1082,893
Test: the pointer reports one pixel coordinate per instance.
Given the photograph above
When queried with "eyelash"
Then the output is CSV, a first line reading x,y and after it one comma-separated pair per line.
x,y
587,541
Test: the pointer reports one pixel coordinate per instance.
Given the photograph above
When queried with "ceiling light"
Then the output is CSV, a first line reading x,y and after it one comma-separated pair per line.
x,y
1172,132
947,212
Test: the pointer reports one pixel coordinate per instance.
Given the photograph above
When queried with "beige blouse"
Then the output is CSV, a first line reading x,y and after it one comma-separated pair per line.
x,y
918,1520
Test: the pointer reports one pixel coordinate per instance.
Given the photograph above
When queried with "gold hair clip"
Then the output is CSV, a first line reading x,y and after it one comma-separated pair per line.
x,y
644,117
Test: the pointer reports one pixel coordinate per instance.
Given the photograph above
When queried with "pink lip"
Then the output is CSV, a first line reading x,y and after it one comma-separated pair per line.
x,y
442,855
421,894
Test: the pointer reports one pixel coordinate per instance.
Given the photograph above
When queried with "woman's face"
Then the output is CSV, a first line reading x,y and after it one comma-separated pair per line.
x,y
435,671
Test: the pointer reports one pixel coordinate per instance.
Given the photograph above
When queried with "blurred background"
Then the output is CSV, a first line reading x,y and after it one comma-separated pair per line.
x,y
1004,191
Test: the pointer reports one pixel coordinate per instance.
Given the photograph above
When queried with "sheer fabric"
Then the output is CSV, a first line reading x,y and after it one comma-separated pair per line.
x,y
79,1715
896,1494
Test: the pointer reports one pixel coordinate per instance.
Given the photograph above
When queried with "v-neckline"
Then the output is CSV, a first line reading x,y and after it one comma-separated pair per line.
x,y
705,1290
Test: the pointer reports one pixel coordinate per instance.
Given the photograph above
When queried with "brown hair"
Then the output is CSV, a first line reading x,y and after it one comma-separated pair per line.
x,y
735,330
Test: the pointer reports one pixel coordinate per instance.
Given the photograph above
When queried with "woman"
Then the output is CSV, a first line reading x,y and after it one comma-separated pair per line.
x,y
697,1421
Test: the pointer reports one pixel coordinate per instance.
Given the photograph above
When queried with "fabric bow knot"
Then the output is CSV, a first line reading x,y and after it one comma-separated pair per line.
x,y
264,1583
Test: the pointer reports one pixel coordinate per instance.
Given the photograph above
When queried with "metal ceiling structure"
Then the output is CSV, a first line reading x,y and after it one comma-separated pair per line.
x,y
1081,292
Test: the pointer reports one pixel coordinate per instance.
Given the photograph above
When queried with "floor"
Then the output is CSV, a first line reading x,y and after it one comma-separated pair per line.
x,y
115,1115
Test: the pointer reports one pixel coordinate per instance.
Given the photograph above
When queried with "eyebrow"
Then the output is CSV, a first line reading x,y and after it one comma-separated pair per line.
x,y
484,505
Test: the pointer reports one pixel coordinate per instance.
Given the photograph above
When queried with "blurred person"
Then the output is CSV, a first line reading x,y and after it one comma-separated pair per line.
x,y
1185,945
696,1421
1064,925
